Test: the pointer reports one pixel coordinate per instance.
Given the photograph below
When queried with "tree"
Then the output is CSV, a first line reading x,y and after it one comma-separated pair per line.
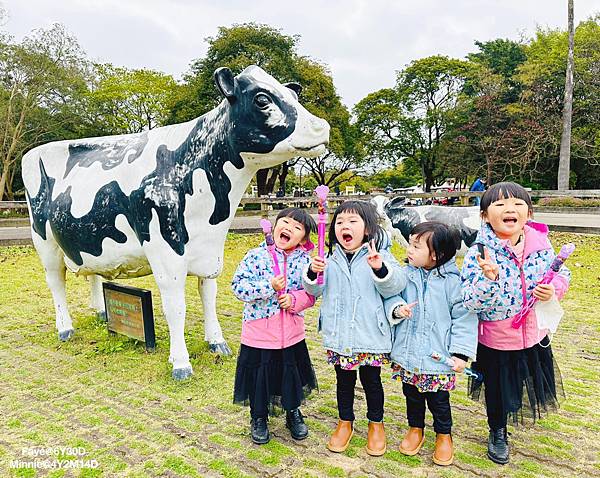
x,y
565,142
242,45
129,101
543,80
42,77
412,119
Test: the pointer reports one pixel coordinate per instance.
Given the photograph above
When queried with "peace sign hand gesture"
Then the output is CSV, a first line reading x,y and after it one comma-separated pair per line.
x,y
490,269
374,258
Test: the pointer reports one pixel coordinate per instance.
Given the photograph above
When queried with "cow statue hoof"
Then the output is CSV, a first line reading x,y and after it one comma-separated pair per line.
x,y
102,316
182,373
65,335
220,348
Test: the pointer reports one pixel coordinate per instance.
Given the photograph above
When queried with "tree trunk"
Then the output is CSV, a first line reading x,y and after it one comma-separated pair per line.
x,y
3,180
564,162
285,168
261,181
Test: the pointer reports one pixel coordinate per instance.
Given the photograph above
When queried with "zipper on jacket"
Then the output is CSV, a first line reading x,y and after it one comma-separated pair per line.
x,y
285,292
523,291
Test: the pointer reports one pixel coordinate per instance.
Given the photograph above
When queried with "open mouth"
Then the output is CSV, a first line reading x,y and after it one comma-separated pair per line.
x,y
347,238
284,237
509,220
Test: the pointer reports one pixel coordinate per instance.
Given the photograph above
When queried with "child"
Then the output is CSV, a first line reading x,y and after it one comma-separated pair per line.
x,y
352,321
430,317
273,366
516,254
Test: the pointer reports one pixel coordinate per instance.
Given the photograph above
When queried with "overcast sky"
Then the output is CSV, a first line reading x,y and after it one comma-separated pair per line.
x,y
364,42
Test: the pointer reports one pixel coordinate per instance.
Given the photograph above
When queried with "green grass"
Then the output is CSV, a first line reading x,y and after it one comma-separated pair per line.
x,y
107,395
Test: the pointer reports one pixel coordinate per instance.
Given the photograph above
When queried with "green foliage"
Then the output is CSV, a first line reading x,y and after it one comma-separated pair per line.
x,y
566,201
129,101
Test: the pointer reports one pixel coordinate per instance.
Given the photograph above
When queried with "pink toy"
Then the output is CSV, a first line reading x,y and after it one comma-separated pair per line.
x,y
266,227
557,263
321,191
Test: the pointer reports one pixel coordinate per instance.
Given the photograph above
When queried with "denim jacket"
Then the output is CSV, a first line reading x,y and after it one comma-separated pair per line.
x,y
439,322
352,318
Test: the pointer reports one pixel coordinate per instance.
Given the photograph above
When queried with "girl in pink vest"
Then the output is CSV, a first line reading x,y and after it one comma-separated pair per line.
x,y
274,369
500,273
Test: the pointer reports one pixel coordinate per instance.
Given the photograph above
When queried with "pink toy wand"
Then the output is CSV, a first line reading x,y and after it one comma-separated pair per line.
x,y
565,252
266,228
321,191
469,372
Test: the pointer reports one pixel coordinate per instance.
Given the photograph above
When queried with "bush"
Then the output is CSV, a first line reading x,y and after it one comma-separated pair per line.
x,y
566,201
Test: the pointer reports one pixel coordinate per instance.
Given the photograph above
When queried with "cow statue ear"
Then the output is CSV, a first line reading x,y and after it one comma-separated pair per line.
x,y
295,87
225,81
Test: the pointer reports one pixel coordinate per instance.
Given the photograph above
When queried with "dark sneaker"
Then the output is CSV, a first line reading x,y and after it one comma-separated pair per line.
x,y
295,422
260,431
498,446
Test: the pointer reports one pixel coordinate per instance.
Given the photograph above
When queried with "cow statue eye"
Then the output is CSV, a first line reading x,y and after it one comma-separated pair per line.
x,y
262,101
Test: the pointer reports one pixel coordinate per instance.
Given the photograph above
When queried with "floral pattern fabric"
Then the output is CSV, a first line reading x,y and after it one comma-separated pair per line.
x,y
425,382
357,360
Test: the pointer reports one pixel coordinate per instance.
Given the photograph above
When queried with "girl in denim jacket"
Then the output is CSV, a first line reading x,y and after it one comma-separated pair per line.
x,y
274,368
502,271
356,334
429,317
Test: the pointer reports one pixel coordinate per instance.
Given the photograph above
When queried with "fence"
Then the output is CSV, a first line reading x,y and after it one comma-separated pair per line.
x,y
266,203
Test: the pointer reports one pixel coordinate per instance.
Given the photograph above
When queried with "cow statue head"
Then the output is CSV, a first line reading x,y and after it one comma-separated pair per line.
x,y
268,124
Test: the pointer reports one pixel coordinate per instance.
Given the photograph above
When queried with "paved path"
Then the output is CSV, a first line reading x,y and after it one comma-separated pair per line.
x,y
564,222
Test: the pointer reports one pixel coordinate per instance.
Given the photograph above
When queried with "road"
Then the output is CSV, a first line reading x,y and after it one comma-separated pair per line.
x,y
566,222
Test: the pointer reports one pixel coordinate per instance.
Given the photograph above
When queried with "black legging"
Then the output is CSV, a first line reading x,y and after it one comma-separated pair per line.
x,y
437,402
370,378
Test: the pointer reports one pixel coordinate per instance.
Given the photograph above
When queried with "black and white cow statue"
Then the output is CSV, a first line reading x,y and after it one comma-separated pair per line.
x,y
161,202
399,219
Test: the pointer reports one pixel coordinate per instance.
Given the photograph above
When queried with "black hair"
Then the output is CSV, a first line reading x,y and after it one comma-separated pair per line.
x,y
302,217
441,239
504,190
368,214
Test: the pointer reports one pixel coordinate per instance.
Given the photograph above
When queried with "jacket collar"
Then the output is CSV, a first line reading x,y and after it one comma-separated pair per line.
x,y
536,238
449,268
293,253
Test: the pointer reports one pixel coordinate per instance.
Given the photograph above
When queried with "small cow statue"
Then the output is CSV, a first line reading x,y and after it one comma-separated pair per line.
x,y
399,219
161,202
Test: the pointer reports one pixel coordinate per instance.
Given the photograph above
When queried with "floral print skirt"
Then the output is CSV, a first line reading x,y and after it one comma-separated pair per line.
x,y
358,359
425,382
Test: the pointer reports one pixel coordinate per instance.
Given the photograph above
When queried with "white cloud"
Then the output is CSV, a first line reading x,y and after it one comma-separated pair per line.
x,y
364,42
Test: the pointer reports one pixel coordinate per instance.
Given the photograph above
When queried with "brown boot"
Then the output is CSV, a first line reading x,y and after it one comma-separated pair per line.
x,y
413,441
340,438
376,444
443,454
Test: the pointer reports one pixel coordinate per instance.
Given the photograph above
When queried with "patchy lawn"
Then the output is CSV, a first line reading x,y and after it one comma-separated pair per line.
x,y
105,397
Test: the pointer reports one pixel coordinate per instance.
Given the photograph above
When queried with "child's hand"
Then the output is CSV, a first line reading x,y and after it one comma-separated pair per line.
x,y
490,269
285,301
374,258
404,311
459,364
543,292
278,282
318,264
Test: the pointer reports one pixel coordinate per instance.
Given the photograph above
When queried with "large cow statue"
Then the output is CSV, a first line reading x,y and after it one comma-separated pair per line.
x,y
399,219
162,201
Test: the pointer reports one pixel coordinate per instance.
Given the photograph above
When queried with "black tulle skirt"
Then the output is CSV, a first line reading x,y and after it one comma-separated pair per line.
x,y
523,385
270,380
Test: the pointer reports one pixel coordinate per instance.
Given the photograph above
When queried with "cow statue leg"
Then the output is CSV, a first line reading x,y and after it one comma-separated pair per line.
x,y
170,274
54,265
97,297
212,329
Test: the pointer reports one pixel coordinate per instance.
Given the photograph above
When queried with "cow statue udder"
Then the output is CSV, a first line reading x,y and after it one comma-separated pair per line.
x,y
161,201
